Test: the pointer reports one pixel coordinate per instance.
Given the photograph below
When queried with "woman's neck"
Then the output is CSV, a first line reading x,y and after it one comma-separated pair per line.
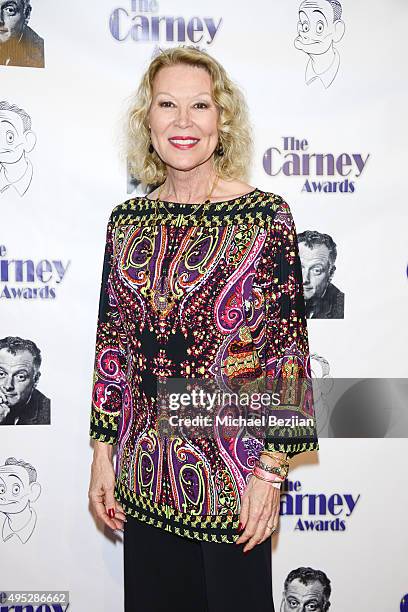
x,y
190,186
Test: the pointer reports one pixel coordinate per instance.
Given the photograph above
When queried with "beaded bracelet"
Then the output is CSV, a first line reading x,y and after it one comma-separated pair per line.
x,y
281,470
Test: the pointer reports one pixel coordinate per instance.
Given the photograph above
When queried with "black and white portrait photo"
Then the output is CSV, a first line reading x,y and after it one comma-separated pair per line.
x,y
306,589
318,253
20,45
21,403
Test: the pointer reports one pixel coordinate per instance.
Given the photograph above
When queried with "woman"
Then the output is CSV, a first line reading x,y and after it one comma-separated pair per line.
x,y
201,279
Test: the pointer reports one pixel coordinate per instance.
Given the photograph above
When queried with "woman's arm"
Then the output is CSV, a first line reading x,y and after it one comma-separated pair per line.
x,y
286,358
107,389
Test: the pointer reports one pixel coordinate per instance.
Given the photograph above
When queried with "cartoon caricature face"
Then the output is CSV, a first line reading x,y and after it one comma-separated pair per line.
x,y
317,27
16,491
13,15
14,141
301,597
317,269
18,376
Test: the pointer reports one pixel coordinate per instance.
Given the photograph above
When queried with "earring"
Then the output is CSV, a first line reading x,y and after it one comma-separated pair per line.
x,y
220,150
151,149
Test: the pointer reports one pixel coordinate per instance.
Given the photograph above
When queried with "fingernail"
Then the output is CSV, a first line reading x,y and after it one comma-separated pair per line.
x,y
111,512
240,527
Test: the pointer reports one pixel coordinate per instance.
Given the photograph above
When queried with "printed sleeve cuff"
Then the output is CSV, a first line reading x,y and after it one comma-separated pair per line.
x,y
103,428
292,448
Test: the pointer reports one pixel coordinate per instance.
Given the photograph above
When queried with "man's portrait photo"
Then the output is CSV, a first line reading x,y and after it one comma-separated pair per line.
x,y
21,403
16,140
318,254
320,27
306,589
18,490
19,44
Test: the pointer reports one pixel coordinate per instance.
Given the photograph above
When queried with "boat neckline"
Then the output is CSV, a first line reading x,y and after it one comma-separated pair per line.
x,y
194,204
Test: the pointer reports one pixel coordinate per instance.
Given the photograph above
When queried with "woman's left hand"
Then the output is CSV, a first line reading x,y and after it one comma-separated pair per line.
x,y
259,512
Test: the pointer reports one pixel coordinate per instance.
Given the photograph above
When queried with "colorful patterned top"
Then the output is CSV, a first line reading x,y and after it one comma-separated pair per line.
x,y
239,310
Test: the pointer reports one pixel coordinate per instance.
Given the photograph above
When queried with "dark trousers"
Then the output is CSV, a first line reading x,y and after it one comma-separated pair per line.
x,y
166,572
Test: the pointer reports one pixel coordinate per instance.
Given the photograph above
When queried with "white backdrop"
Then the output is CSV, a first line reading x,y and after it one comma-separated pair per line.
x,y
75,104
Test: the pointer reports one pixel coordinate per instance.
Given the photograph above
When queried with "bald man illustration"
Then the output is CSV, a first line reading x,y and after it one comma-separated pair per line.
x,y
320,27
19,44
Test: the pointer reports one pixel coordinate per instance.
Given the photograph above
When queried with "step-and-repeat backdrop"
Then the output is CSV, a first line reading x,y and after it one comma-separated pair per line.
x,y
326,83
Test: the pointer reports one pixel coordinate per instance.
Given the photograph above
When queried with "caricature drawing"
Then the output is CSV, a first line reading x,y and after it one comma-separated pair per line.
x,y
18,490
320,27
16,140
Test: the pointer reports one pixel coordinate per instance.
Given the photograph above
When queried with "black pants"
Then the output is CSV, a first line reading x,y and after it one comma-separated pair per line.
x,y
165,572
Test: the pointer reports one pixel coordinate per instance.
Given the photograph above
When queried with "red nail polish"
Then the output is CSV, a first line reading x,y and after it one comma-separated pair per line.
x,y
111,512
240,527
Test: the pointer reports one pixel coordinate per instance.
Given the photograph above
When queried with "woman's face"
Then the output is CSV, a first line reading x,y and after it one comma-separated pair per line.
x,y
183,117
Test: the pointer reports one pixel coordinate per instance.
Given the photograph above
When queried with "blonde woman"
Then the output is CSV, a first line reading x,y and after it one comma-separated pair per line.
x,y
201,279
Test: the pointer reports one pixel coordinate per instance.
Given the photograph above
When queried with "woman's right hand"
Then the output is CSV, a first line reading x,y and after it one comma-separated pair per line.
x,y
101,488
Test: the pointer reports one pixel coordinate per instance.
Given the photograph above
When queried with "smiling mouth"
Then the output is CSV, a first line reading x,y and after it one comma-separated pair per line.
x,y
184,142
311,42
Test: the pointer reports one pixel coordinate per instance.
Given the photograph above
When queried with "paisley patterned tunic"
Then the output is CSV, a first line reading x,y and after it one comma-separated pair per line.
x,y
239,311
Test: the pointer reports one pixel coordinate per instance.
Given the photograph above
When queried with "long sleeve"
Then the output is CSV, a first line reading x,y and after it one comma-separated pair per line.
x,y
110,355
285,349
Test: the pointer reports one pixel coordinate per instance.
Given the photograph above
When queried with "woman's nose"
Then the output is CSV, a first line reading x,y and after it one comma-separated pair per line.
x,y
183,116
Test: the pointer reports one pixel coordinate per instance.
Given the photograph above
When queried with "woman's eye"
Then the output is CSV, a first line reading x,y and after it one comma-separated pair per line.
x,y
165,103
203,104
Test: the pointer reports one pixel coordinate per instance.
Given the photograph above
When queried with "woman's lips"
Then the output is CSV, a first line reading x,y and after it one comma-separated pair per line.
x,y
188,143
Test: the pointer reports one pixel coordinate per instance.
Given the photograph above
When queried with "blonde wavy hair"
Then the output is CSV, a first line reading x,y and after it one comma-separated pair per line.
x,y
234,129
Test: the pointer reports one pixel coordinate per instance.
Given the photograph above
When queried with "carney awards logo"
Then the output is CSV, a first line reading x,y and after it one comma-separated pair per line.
x,y
316,511
323,172
29,279
139,23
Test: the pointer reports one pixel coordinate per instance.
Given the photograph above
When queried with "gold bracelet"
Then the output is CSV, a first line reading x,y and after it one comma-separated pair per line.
x,y
272,456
